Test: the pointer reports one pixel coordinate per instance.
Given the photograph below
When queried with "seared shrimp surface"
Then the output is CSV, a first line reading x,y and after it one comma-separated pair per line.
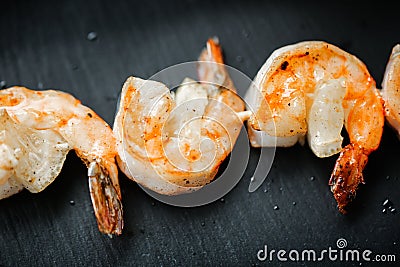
x,y
312,88
391,89
38,129
175,143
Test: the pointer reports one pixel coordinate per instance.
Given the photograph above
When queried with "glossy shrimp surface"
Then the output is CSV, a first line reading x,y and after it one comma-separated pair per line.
x,y
312,89
175,143
391,89
38,129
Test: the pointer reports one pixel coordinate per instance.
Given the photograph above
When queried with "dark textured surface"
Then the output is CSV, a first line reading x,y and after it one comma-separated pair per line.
x,y
45,43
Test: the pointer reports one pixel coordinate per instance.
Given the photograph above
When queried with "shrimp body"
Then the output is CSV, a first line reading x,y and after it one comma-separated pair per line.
x,y
174,144
314,88
38,129
391,89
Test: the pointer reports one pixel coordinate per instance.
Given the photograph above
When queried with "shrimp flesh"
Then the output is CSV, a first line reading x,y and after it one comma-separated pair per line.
x,y
391,89
175,143
312,88
38,129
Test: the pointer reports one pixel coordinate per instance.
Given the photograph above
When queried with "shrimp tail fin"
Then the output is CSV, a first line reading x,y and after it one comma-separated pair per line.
x,y
211,72
347,174
214,76
212,52
106,200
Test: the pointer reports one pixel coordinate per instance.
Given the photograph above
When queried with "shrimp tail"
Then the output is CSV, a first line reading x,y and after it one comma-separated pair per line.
x,y
347,174
214,50
214,76
210,69
106,199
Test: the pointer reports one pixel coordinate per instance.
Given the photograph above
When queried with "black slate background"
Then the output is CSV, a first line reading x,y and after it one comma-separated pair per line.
x,y
44,43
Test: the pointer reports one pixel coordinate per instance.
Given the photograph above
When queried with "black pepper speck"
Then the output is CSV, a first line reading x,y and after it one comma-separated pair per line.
x,y
284,65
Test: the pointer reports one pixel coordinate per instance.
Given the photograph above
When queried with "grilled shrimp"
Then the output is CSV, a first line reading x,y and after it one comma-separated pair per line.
x,y
390,89
313,88
175,143
38,129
